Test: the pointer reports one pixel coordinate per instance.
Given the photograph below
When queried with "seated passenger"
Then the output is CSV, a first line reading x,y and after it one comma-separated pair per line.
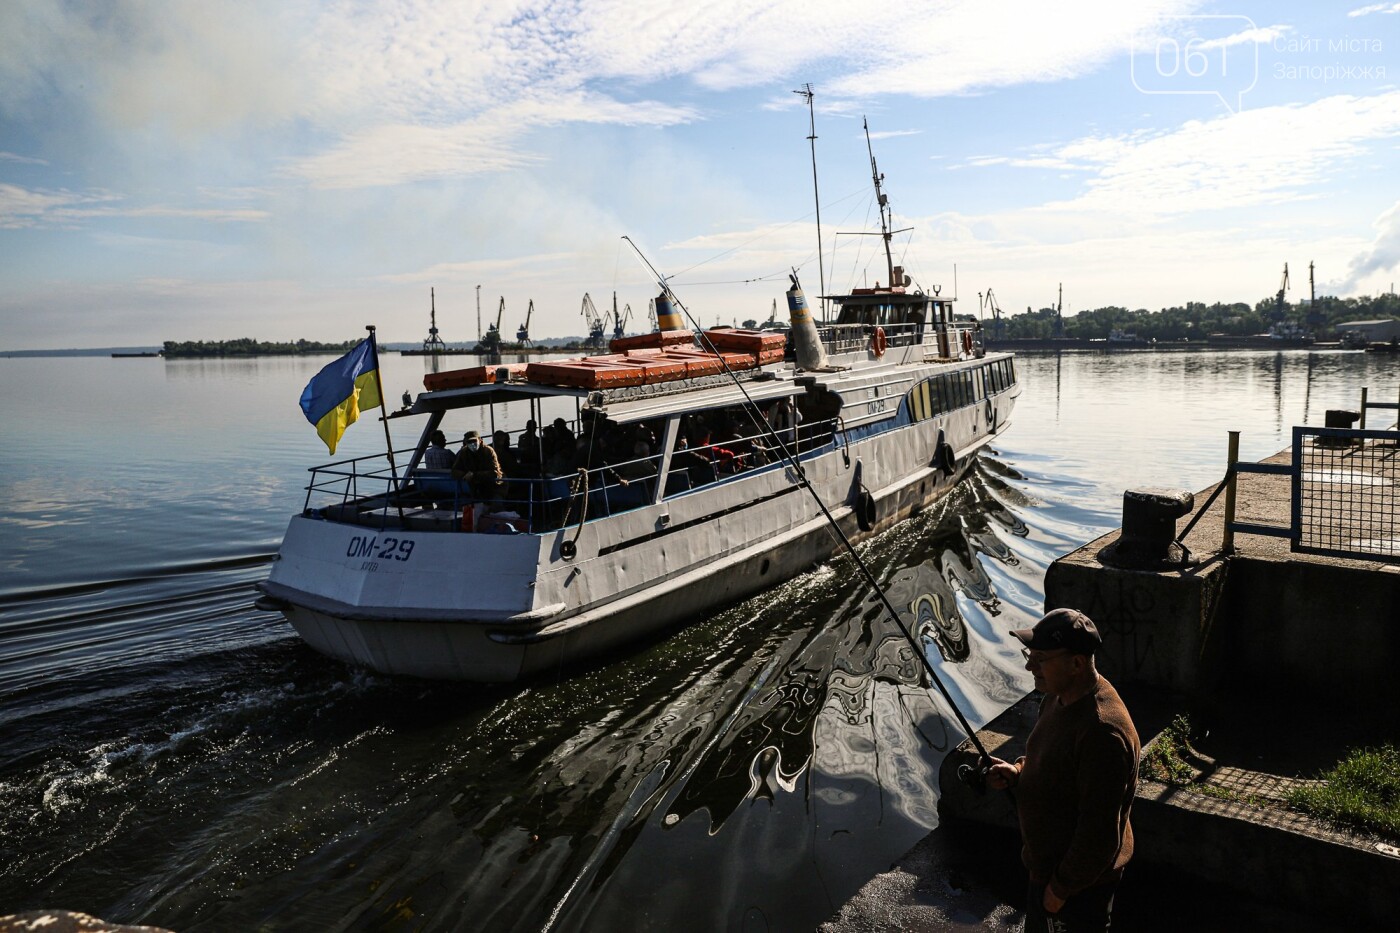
x,y
437,456
477,465
500,443
528,451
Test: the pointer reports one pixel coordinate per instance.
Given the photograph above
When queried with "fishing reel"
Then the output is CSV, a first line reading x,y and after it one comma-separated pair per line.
x,y
974,775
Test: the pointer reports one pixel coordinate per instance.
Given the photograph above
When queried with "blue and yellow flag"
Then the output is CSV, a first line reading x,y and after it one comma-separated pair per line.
x,y
334,397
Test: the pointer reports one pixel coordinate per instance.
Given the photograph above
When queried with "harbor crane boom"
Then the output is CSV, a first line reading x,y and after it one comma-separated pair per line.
x,y
620,320
594,321
1278,299
523,334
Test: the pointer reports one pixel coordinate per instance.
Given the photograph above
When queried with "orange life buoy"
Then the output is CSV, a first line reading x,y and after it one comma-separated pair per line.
x,y
877,342
967,341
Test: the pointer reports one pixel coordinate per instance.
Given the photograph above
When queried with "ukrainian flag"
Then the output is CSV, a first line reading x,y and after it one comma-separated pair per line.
x,y
332,400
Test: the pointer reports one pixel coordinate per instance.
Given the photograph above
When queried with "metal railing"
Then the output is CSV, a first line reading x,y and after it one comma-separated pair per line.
x,y
363,491
1344,491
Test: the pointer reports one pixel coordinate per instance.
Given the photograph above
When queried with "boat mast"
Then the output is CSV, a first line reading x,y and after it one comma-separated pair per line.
x,y
806,93
884,202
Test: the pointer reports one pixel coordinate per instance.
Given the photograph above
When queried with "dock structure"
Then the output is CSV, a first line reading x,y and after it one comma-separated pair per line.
x,y
1274,621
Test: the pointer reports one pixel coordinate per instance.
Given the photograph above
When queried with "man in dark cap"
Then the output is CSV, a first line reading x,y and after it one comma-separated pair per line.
x,y
1074,787
477,464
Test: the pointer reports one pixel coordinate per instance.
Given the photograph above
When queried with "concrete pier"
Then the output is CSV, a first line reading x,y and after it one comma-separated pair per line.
x,y
1287,659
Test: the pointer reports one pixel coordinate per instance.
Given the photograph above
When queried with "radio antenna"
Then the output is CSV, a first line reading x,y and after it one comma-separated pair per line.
x,y
807,94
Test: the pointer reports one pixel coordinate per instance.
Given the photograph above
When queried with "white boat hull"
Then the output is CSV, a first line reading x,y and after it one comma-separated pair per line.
x,y
496,608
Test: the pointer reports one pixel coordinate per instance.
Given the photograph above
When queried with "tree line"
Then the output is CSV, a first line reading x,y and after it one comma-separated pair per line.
x,y
247,346
1196,319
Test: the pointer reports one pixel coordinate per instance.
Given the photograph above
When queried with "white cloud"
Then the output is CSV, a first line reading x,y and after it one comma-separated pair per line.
x,y
1259,156
23,160
398,91
182,70
1376,8
1257,36
1381,256
24,207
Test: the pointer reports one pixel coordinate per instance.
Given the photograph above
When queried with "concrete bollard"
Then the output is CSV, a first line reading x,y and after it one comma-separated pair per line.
x,y
1149,529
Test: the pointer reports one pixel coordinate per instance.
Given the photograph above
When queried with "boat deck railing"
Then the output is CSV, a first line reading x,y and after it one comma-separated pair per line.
x,y
949,340
365,491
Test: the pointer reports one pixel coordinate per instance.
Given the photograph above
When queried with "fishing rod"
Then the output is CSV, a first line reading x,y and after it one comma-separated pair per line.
x,y
761,420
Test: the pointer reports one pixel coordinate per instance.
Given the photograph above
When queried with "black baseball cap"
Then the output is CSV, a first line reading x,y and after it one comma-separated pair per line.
x,y
1069,629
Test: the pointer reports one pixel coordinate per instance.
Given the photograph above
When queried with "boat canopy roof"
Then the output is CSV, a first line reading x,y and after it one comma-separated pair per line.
x,y
489,394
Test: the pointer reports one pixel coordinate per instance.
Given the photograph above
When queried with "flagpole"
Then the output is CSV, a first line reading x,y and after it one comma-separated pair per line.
x,y
384,417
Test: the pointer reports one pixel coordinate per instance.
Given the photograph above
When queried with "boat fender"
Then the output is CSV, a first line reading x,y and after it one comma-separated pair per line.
x,y
991,416
878,342
943,457
967,341
865,510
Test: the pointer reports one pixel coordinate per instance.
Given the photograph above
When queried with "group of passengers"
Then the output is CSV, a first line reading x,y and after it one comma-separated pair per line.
x,y
726,441
710,445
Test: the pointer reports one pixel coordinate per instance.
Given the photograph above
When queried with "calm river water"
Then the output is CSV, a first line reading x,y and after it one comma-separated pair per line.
x,y
169,755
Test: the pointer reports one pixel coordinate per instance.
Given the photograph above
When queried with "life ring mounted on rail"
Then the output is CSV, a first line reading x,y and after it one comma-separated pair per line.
x,y
967,342
878,342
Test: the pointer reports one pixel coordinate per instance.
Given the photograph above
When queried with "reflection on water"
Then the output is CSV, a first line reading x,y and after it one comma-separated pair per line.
x,y
171,756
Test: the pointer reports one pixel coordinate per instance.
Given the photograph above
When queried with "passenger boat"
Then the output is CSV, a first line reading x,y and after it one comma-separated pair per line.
x,y
692,484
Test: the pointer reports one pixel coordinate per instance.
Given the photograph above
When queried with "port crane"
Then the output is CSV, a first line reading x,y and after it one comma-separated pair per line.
x,y
1278,299
1315,317
434,342
620,321
989,303
651,313
523,334
491,341
595,323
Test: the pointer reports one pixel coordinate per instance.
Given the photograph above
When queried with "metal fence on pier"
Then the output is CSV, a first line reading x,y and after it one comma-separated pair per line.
x,y
1345,495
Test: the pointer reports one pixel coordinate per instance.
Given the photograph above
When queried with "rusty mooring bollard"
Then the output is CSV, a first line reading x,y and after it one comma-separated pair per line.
x,y
1338,418
1148,540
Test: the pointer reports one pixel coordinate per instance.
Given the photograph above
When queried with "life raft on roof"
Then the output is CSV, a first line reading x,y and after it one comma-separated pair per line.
x,y
472,376
653,358
745,339
654,340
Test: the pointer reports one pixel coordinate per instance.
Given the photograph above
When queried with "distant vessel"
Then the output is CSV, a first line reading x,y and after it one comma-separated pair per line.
x,y
690,485
1123,340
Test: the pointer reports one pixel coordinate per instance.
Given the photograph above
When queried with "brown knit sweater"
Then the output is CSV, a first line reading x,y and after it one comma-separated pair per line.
x,y
1075,790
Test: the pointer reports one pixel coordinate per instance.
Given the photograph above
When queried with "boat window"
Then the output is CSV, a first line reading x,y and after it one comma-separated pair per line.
x,y
979,383
720,443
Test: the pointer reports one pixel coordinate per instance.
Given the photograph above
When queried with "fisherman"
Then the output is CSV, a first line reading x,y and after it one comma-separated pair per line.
x,y
477,464
1074,786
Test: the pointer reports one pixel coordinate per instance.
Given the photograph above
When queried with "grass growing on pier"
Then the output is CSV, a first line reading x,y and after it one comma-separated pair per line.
x,y
1165,760
1363,791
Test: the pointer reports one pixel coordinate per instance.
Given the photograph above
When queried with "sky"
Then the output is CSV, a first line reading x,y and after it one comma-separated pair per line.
x,y
284,169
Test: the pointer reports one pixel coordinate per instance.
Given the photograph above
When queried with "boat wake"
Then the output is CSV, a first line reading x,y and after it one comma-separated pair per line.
x,y
176,758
